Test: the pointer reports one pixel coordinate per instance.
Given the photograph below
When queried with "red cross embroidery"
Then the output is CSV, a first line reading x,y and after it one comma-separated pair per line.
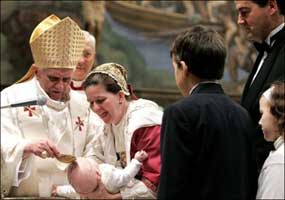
x,y
30,110
79,123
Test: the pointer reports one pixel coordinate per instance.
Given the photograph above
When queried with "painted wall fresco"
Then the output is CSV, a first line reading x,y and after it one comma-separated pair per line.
x,y
136,34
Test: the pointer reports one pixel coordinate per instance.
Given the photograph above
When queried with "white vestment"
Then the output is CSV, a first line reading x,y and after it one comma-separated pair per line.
x,y
271,178
77,87
140,113
70,126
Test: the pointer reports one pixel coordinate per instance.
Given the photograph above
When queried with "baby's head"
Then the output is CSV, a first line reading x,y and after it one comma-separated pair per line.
x,y
83,175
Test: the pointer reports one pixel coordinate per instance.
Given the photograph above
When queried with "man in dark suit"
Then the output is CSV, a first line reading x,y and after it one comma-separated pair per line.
x,y
207,140
263,22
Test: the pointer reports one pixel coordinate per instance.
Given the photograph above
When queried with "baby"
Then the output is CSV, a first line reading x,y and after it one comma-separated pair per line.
x,y
85,173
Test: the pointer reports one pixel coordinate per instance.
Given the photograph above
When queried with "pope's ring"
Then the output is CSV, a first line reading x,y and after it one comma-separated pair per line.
x,y
44,154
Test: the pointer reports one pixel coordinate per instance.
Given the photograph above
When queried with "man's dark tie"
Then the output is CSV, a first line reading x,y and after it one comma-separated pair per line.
x,y
262,47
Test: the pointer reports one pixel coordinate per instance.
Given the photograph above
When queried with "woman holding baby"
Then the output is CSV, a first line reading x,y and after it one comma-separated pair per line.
x,y
131,125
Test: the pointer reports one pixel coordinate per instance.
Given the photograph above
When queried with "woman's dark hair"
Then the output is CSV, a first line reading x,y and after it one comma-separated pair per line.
x,y
102,79
278,104
203,50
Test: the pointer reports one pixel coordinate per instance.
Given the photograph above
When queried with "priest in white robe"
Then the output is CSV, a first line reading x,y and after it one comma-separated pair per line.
x,y
33,136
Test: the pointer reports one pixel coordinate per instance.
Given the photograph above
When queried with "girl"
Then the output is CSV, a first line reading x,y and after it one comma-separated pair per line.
x,y
272,108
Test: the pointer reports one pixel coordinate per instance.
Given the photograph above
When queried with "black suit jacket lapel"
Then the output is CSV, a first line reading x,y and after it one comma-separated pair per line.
x,y
249,96
250,77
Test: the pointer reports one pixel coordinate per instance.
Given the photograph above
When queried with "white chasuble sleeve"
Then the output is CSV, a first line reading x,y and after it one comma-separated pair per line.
x,y
14,168
67,191
95,128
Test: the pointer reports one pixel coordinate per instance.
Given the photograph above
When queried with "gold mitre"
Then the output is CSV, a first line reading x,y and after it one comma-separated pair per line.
x,y
116,72
56,43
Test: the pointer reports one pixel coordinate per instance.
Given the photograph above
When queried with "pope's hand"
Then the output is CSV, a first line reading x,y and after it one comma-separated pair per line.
x,y
41,148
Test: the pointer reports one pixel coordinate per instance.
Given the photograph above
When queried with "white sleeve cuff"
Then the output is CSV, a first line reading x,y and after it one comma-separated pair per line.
x,y
67,191
23,168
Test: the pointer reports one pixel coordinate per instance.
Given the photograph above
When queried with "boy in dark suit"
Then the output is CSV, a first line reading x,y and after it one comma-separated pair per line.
x,y
263,23
207,140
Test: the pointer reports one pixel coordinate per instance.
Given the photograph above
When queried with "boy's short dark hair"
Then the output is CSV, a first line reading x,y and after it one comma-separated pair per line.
x,y
203,50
